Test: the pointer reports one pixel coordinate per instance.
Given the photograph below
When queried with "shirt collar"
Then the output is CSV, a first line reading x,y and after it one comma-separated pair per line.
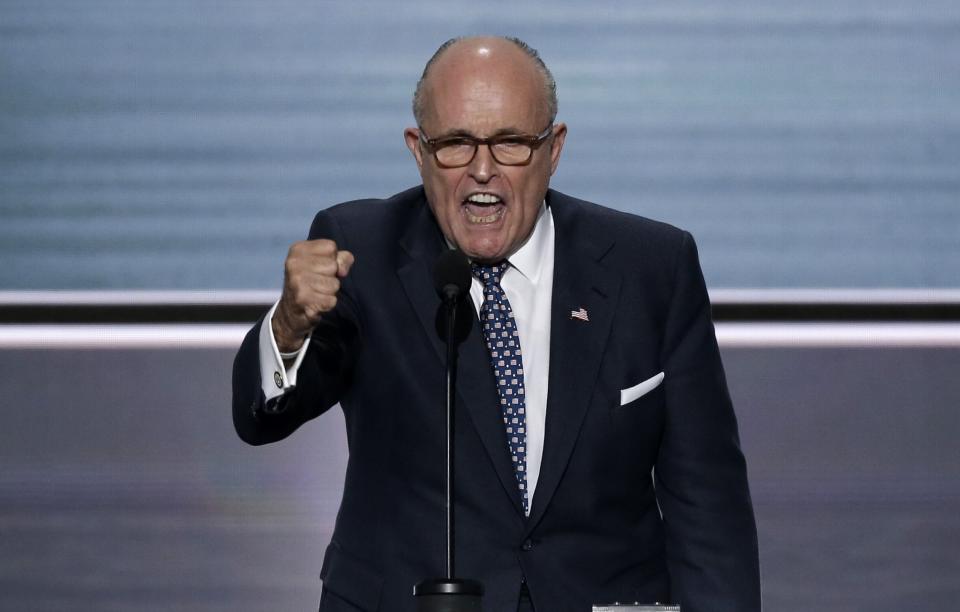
x,y
528,260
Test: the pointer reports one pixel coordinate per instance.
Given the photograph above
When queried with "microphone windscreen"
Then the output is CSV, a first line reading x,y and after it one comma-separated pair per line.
x,y
451,274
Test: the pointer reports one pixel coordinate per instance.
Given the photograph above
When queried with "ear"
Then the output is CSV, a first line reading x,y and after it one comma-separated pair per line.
x,y
412,137
556,145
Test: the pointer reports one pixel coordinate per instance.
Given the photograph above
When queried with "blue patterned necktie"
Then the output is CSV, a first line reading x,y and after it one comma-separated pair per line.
x,y
503,343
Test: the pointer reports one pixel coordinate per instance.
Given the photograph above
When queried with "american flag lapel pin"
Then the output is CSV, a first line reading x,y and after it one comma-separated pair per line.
x,y
580,314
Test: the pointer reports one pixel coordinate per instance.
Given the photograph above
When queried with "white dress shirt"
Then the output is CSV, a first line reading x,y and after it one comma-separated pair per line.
x,y
528,284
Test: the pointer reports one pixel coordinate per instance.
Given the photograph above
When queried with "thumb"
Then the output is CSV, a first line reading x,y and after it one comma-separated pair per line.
x,y
344,263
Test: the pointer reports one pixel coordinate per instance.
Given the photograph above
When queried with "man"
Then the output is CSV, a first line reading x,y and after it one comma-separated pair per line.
x,y
597,449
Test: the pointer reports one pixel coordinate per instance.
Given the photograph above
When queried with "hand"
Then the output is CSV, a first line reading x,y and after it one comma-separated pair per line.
x,y
312,274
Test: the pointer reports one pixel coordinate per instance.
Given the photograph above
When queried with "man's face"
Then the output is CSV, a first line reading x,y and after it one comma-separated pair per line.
x,y
486,209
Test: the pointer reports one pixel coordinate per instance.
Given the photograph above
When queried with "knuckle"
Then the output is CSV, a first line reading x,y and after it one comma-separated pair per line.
x,y
327,266
302,298
324,246
295,249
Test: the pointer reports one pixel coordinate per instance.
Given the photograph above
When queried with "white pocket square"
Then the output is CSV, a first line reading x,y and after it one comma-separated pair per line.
x,y
637,391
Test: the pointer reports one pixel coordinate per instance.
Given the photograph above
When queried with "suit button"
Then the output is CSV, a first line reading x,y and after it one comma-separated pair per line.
x,y
527,545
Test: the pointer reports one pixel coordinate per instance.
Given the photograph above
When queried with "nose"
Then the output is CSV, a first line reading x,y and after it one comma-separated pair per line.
x,y
483,166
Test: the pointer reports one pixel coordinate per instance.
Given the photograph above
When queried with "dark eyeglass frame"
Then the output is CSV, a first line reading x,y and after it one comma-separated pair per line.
x,y
534,142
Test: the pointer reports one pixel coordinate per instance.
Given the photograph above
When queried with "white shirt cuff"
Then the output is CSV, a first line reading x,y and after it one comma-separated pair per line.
x,y
276,380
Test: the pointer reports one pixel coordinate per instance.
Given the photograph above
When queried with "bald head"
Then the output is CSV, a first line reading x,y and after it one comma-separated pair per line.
x,y
491,53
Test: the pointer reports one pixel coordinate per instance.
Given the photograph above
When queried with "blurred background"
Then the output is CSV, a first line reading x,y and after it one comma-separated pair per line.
x,y
157,159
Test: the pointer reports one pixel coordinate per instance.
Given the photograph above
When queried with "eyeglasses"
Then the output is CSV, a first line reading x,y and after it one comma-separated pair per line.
x,y
507,149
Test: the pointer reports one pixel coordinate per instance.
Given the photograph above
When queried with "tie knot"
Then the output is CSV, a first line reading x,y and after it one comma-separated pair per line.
x,y
489,275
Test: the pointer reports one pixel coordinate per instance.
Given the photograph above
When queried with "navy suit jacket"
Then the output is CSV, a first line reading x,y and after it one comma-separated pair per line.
x,y
646,501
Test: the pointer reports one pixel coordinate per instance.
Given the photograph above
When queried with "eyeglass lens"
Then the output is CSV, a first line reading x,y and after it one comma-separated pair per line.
x,y
461,153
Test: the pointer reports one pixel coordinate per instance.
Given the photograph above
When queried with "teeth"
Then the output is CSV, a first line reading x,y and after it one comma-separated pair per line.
x,y
487,219
484,198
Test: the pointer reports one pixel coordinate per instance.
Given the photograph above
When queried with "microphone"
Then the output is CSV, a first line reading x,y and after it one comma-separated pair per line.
x,y
451,275
451,279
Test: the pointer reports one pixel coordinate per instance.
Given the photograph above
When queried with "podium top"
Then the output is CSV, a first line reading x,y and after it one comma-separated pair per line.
x,y
634,607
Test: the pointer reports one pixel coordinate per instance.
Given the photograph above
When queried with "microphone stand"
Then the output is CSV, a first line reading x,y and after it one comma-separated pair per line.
x,y
449,594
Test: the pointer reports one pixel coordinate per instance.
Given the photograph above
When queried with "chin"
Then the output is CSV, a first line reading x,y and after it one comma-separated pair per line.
x,y
480,250
479,256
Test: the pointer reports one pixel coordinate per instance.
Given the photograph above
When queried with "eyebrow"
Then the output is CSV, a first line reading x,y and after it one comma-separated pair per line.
x,y
505,131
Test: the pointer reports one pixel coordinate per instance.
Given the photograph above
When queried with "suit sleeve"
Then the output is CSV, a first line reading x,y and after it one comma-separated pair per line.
x,y
701,476
323,376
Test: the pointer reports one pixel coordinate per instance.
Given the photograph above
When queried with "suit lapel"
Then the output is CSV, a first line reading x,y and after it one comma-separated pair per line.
x,y
580,281
422,243
476,388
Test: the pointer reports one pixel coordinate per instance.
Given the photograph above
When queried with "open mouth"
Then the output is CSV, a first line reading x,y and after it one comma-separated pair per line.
x,y
482,208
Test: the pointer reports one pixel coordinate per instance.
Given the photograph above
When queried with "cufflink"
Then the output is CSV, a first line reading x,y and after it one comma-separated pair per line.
x,y
277,378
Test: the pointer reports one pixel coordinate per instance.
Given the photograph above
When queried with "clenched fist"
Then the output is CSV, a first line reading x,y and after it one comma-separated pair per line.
x,y
312,274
